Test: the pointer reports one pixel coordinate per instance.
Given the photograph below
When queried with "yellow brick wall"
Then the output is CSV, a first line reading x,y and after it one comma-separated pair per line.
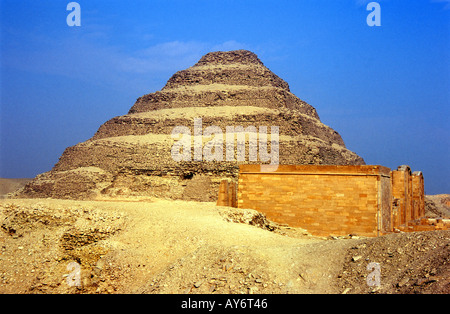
x,y
336,200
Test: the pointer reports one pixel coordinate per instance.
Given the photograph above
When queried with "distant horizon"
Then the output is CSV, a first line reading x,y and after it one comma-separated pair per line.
x,y
384,89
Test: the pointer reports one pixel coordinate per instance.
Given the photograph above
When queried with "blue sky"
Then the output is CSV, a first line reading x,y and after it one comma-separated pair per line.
x,y
384,89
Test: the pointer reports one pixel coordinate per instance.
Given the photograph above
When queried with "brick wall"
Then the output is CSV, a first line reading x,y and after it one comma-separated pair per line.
x,y
325,200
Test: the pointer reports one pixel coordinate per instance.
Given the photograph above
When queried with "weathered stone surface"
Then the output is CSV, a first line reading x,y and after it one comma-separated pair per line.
x,y
130,155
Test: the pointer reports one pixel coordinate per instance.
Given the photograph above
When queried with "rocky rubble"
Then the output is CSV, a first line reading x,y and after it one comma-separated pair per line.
x,y
247,216
417,262
215,270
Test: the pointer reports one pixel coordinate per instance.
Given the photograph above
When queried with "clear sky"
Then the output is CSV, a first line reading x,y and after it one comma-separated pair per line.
x,y
385,89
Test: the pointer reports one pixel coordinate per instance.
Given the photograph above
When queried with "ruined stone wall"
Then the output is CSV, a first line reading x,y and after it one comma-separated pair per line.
x,y
336,200
227,194
418,192
387,223
402,193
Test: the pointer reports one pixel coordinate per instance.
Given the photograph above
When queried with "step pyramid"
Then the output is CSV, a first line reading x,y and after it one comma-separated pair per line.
x,y
133,154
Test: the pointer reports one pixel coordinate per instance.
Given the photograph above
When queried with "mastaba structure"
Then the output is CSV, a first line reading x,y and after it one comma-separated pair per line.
x,y
336,200
135,155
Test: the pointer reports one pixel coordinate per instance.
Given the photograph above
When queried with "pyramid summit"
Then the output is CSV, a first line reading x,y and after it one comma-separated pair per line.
x,y
230,57
220,76
133,154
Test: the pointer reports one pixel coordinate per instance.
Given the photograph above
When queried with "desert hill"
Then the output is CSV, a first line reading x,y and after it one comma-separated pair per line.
x,y
437,205
166,246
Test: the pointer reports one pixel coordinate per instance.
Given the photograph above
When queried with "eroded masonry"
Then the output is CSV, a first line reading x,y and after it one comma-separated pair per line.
x,y
326,200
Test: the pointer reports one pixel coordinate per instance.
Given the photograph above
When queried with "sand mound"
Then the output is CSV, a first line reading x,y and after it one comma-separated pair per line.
x,y
160,246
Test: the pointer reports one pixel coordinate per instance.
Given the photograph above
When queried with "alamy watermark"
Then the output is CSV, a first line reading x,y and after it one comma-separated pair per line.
x,y
374,277
374,17
74,17
74,277
213,149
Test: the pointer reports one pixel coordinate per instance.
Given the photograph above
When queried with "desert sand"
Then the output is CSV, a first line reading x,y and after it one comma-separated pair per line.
x,y
153,245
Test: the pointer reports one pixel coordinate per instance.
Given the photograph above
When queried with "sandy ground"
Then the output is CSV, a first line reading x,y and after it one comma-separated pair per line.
x,y
161,246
